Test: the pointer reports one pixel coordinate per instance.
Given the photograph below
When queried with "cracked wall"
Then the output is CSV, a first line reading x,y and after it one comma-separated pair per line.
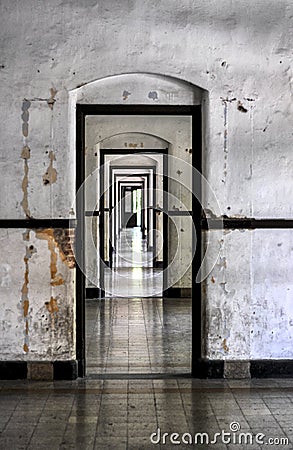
x,y
37,318
249,310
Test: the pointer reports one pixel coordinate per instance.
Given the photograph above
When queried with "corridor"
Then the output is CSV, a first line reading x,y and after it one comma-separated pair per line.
x,y
134,330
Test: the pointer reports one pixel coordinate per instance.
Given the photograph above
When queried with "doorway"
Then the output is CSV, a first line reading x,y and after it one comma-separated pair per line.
x,y
166,303
140,243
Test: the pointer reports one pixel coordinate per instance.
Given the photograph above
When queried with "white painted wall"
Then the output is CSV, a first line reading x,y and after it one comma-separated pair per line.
x,y
240,55
249,295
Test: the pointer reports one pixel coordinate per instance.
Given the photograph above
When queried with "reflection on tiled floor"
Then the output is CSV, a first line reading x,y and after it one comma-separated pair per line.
x,y
132,274
131,250
138,335
133,282
123,414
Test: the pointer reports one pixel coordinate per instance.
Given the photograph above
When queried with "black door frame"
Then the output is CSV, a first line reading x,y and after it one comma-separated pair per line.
x,y
102,209
139,110
147,176
135,185
145,186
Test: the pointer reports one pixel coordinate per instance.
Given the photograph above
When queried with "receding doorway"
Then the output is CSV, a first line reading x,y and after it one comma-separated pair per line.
x,y
136,334
133,257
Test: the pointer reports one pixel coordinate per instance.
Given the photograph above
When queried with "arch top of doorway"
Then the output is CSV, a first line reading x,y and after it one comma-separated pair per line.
x,y
133,140
140,159
138,88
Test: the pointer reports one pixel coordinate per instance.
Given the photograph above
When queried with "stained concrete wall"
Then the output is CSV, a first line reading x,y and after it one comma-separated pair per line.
x,y
240,55
249,295
37,317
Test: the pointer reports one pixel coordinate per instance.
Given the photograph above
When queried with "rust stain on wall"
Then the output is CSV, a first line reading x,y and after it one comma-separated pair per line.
x,y
26,235
30,250
50,176
48,235
53,260
51,101
26,152
224,345
25,307
52,306
63,240
57,281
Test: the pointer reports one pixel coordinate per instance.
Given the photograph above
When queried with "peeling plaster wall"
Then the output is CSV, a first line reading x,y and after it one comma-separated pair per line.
x,y
241,56
228,290
249,313
242,53
36,279
271,294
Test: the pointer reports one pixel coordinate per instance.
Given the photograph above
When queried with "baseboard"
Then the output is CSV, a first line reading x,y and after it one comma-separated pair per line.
x,y
236,370
65,370
271,368
207,368
38,370
203,369
13,370
92,293
174,292
243,369
159,264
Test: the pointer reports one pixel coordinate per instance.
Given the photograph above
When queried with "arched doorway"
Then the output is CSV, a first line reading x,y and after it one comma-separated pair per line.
x,y
155,107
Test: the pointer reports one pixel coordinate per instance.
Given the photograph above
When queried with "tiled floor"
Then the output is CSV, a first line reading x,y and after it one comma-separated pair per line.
x,y
122,414
138,335
117,407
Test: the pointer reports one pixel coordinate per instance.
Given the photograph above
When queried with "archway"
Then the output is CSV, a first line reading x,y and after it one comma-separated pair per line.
x,y
156,104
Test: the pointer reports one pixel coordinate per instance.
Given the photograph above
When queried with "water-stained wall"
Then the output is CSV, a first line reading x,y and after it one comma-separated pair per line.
x,y
240,57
